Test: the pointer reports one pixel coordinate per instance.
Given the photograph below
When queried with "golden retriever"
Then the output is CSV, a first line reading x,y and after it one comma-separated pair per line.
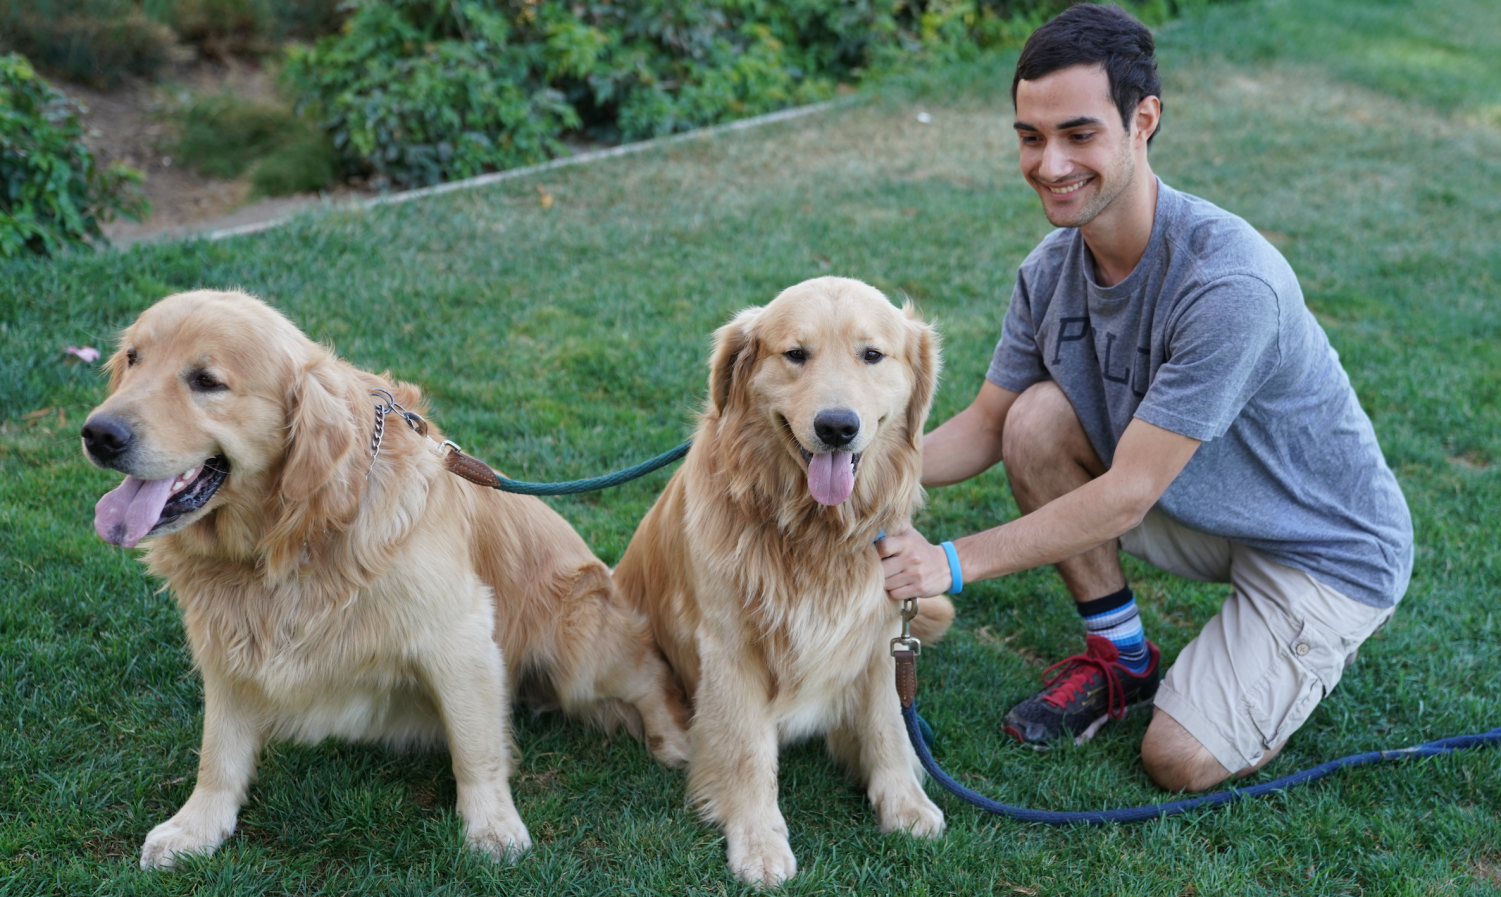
x,y
332,587
756,564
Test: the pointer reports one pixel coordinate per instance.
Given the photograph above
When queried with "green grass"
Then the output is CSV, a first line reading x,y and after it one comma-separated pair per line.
x,y
564,342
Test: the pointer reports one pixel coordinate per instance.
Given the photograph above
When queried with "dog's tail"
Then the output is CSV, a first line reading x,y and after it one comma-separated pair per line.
x,y
934,617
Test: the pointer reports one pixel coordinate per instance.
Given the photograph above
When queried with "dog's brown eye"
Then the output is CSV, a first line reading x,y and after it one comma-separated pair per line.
x,y
796,356
204,383
872,356
130,358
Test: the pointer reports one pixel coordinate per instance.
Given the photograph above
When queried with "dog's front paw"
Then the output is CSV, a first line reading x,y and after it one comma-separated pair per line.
x,y
915,814
179,837
671,748
502,840
762,859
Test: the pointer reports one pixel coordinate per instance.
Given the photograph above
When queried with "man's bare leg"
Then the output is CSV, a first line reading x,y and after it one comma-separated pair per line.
x,y
1176,760
1048,455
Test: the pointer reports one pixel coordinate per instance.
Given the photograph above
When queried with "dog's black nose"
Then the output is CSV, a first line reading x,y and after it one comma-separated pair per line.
x,y
106,438
837,427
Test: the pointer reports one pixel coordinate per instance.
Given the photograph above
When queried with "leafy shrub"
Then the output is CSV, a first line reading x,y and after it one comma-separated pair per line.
x,y
222,28
223,137
52,194
97,42
305,162
418,91
92,42
219,27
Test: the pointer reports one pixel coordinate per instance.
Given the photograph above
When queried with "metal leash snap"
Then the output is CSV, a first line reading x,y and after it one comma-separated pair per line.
x,y
413,419
906,641
387,404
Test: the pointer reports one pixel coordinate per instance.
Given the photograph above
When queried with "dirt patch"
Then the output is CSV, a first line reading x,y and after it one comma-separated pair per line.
x,y
1487,869
130,124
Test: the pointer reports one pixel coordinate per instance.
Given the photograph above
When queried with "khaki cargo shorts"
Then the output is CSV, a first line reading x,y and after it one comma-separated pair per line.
x,y
1279,644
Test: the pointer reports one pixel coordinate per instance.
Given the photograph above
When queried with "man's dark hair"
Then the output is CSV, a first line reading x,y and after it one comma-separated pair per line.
x,y
1089,34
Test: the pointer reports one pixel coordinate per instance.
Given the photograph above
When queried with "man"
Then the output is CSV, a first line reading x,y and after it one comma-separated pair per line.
x,y
1160,387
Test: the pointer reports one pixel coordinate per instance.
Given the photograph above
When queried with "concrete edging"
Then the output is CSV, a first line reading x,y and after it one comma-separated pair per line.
x,y
484,180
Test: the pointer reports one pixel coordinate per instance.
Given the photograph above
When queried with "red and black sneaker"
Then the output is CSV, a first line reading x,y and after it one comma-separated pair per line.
x,y
1089,690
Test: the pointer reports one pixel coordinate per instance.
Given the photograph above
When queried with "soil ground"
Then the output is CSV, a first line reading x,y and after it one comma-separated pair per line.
x,y
132,124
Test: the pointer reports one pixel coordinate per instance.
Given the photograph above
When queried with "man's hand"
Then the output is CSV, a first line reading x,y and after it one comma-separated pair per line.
x,y
914,567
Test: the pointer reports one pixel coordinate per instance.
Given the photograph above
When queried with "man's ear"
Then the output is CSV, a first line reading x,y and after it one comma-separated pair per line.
x,y
735,351
1148,117
926,362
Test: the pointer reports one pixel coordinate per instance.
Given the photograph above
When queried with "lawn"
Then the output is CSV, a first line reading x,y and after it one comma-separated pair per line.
x,y
565,340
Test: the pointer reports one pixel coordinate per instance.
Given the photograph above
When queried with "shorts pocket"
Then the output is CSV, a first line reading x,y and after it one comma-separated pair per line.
x,y
1293,684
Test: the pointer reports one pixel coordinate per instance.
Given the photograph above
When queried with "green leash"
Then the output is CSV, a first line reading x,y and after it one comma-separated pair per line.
x,y
477,471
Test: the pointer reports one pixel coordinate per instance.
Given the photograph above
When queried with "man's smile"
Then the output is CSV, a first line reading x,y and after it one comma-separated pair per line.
x,y
1066,190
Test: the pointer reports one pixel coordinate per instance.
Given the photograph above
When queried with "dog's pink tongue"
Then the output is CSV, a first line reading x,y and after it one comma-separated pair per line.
x,y
124,515
831,477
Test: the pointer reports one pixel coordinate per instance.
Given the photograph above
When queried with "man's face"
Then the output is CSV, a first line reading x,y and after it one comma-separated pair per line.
x,y
1074,150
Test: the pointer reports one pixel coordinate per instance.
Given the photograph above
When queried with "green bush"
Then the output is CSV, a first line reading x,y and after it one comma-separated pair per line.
x,y
97,42
222,28
223,137
219,27
419,91
426,90
92,42
52,193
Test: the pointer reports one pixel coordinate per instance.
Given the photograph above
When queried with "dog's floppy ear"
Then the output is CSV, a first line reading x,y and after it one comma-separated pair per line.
x,y
319,431
315,488
115,367
923,355
735,350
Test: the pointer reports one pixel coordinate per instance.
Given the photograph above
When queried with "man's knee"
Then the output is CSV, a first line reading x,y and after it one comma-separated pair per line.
x,y
1176,760
1042,430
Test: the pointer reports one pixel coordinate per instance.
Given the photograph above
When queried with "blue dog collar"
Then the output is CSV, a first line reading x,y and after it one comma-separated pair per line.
x,y
955,574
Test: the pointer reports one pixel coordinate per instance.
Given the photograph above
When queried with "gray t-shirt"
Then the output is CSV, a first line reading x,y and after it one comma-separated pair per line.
x,y
1209,337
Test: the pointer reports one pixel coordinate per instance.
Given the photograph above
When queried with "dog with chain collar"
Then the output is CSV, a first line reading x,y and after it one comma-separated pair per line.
x,y
336,581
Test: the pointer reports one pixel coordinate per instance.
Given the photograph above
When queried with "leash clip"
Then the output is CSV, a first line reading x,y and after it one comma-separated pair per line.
x,y
413,419
906,641
387,404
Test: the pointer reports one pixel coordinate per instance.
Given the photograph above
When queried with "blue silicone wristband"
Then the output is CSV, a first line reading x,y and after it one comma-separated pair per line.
x,y
956,576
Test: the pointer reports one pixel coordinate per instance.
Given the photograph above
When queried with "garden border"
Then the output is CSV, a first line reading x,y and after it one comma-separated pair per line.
x,y
496,177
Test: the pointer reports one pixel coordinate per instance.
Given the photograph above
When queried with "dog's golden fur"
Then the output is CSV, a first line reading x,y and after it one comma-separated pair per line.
x,y
325,596
770,606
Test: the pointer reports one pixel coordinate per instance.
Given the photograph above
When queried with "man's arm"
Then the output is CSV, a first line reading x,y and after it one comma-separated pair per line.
x,y
968,443
1147,460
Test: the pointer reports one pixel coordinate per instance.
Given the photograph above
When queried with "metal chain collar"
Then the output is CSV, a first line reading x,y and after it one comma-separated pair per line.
x,y
387,404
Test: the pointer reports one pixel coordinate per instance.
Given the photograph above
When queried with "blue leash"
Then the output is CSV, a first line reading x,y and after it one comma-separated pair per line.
x,y
906,678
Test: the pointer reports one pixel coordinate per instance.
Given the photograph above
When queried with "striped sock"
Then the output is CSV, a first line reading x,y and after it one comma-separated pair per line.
x,y
1115,617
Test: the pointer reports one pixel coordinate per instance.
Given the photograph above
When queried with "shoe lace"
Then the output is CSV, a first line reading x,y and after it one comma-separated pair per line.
x,y
1080,670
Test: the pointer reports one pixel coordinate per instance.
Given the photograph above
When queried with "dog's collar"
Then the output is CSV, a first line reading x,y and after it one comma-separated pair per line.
x,y
386,404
